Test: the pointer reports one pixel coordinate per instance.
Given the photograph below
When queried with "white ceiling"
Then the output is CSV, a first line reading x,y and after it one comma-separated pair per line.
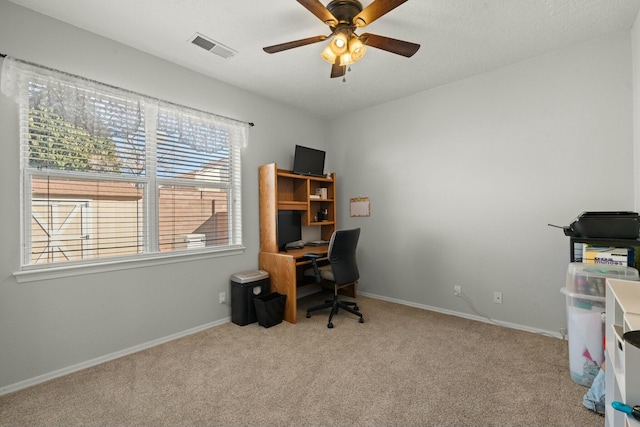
x,y
458,38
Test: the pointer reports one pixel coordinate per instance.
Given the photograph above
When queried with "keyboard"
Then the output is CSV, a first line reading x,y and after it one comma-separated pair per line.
x,y
318,242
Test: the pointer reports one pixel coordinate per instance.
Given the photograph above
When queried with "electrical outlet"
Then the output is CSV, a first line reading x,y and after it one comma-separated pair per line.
x,y
223,297
457,291
497,297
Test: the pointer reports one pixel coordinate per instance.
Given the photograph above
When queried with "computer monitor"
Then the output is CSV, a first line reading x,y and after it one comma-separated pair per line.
x,y
308,161
289,228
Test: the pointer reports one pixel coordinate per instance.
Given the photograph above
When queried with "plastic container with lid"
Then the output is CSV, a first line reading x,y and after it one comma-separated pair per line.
x,y
589,279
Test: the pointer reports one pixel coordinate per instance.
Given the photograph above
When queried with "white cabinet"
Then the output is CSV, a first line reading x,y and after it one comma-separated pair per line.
x,y
623,359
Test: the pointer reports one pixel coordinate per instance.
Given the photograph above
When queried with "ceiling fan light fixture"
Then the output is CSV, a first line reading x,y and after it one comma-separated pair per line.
x,y
348,47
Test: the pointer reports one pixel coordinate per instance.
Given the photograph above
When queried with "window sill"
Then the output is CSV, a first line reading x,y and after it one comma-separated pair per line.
x,y
33,274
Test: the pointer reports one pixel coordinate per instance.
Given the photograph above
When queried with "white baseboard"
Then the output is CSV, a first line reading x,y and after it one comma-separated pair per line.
x,y
466,315
102,359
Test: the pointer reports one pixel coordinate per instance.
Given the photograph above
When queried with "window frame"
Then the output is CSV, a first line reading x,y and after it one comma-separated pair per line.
x,y
151,254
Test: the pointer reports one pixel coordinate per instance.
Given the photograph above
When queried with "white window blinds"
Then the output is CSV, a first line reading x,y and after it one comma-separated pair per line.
x,y
110,173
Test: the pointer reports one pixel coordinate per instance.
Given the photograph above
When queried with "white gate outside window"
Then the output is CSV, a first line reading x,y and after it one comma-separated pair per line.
x,y
59,230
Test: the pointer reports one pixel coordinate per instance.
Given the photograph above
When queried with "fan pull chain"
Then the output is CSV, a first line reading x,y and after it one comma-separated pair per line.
x,y
344,77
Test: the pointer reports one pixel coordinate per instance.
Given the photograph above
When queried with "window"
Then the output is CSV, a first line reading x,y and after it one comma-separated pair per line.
x,y
109,174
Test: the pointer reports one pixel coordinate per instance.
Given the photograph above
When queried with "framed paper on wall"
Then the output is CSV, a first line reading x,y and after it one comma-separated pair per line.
x,y
360,206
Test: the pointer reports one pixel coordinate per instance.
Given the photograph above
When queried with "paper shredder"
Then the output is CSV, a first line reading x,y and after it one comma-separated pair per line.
x,y
245,286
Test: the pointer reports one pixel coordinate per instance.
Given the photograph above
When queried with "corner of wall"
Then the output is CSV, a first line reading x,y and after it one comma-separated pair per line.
x,y
635,58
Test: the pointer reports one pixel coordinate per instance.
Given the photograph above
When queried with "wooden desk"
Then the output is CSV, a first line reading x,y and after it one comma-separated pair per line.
x,y
282,190
286,271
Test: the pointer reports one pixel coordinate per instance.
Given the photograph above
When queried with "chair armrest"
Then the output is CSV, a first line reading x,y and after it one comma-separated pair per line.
x,y
314,262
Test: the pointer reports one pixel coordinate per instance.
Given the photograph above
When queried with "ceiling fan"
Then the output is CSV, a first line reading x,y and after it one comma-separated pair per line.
x,y
344,17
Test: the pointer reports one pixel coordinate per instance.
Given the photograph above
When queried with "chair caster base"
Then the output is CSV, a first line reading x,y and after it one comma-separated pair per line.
x,y
336,305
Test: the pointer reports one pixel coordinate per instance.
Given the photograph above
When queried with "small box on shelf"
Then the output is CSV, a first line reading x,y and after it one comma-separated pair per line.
x,y
607,255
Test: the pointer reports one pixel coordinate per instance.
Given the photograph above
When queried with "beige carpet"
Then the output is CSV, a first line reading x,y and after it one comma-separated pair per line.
x,y
403,367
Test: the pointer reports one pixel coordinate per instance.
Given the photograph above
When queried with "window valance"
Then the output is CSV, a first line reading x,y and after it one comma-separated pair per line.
x,y
17,75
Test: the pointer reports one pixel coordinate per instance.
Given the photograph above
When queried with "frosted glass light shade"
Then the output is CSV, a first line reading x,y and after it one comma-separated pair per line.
x,y
356,49
328,55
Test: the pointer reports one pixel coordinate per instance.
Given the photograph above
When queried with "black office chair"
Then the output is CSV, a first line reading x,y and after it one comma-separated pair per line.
x,y
341,271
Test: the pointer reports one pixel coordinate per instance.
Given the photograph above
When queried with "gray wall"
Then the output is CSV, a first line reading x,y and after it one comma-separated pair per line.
x,y
51,325
635,47
463,180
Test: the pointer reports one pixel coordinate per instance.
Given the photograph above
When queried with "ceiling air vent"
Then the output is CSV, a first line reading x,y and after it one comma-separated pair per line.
x,y
212,46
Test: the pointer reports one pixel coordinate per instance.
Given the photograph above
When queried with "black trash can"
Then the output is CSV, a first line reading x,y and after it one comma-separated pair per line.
x,y
270,309
245,287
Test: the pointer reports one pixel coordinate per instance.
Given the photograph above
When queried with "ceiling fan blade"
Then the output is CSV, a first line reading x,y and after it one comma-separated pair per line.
x,y
318,9
374,11
338,70
398,47
290,45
